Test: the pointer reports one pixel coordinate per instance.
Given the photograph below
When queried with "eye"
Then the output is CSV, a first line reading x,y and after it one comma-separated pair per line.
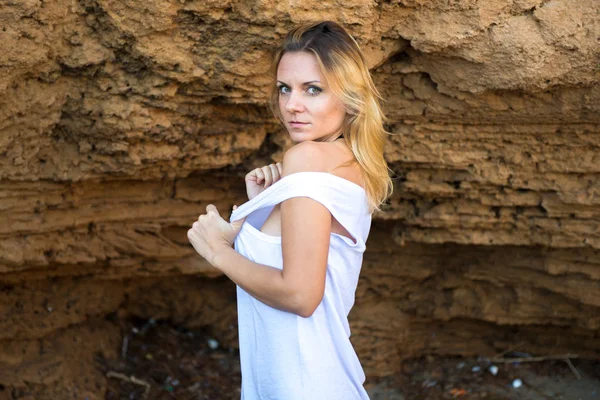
x,y
283,89
313,90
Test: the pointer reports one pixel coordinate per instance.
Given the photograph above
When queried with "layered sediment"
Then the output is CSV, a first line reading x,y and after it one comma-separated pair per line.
x,y
121,120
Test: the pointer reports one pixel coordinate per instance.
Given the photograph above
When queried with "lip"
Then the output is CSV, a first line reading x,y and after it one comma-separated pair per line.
x,y
297,123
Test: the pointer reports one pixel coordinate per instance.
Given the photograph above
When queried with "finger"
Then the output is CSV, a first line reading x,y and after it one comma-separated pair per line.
x,y
280,168
250,176
274,172
260,176
268,175
234,207
211,209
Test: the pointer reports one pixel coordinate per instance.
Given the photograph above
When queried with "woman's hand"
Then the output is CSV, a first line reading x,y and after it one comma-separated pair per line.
x,y
261,178
210,234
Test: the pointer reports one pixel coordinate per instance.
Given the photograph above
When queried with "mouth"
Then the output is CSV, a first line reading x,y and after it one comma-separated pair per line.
x,y
297,123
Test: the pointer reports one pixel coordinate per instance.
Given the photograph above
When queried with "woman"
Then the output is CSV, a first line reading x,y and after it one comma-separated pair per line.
x,y
300,239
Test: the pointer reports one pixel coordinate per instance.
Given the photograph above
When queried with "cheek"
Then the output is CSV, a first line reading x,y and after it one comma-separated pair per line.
x,y
333,112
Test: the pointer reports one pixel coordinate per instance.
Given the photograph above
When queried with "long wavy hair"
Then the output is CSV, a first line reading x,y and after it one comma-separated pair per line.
x,y
344,66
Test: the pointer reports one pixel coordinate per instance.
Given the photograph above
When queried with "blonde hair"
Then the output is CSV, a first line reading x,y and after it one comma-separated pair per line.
x,y
344,66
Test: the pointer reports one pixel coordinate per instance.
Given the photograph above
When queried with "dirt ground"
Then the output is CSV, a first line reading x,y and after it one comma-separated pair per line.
x,y
167,362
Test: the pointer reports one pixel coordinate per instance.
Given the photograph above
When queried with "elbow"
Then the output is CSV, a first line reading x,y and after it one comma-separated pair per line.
x,y
305,306
306,312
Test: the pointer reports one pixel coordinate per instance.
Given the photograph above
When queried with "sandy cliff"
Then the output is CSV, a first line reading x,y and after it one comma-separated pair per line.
x,y
121,120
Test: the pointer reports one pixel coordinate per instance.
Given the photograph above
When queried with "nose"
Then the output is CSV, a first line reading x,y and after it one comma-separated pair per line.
x,y
294,103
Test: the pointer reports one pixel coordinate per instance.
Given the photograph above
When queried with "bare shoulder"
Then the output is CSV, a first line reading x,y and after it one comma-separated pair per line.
x,y
332,157
304,157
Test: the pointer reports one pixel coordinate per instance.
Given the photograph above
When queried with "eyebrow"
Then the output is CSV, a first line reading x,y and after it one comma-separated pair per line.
x,y
305,83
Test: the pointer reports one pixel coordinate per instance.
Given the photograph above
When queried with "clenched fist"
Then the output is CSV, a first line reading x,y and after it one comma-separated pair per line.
x,y
211,233
261,178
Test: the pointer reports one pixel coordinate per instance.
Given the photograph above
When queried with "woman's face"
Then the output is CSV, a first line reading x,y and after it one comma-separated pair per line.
x,y
310,110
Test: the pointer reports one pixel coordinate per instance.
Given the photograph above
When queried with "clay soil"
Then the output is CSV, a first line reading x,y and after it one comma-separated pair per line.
x,y
168,362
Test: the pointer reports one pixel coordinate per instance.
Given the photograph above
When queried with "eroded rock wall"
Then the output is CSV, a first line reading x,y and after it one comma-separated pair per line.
x,y
121,120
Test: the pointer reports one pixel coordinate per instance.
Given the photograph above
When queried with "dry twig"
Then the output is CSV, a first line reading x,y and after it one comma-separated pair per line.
x,y
124,346
533,359
573,369
132,379
564,357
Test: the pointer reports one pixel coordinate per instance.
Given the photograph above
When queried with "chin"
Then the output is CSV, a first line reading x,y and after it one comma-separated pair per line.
x,y
299,137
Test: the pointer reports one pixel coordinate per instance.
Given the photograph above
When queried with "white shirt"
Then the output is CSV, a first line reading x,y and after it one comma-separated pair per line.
x,y
284,356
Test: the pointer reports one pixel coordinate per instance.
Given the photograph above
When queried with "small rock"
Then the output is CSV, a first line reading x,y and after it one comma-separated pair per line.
x,y
213,344
458,392
428,383
476,368
517,383
493,370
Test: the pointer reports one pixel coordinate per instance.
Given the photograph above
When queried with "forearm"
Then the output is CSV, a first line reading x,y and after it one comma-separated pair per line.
x,y
262,282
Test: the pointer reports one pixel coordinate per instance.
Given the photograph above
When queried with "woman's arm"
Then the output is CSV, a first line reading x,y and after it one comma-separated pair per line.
x,y
299,287
305,231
